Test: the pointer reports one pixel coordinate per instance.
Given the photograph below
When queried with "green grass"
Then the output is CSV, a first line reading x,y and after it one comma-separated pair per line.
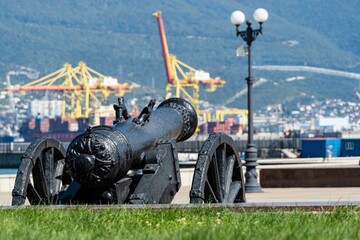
x,y
199,223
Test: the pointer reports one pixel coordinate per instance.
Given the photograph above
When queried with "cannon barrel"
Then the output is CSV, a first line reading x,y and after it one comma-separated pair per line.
x,y
104,154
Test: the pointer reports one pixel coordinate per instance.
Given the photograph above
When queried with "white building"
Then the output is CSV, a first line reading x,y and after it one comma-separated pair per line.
x,y
332,124
45,108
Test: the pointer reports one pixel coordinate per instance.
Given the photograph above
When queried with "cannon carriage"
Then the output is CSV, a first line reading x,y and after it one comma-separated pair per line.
x,y
134,161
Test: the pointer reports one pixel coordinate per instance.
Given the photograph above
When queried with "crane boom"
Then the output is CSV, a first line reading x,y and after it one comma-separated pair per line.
x,y
164,46
182,77
81,88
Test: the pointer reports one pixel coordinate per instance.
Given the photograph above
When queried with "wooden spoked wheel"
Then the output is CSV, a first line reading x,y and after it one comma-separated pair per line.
x,y
218,176
41,174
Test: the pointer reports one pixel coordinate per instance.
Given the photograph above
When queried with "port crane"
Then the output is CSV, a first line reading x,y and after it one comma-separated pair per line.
x,y
182,77
241,113
83,89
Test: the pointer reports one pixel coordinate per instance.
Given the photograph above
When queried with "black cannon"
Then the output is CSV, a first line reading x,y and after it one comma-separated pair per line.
x,y
133,161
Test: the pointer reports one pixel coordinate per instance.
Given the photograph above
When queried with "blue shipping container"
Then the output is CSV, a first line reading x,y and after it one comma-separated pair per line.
x,y
350,147
317,147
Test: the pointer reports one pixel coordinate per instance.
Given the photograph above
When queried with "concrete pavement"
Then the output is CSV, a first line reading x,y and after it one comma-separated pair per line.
x,y
270,195
294,195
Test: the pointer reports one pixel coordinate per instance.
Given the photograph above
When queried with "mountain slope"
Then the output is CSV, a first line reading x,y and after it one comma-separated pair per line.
x,y
120,38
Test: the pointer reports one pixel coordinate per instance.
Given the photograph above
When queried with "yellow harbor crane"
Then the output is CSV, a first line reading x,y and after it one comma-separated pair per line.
x,y
182,77
219,115
186,80
81,87
241,113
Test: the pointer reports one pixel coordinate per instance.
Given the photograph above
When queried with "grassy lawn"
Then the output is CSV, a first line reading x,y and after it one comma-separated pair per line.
x,y
176,223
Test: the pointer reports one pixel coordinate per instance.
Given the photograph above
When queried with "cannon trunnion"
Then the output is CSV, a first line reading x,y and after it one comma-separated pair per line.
x,y
133,161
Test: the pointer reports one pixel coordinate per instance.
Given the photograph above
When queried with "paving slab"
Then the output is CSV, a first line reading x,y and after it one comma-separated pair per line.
x,y
278,195
269,195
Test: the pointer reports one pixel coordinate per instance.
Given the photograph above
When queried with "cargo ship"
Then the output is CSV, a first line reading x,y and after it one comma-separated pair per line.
x,y
64,130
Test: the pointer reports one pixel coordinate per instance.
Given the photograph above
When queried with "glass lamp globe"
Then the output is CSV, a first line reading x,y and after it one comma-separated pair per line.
x,y
261,15
237,18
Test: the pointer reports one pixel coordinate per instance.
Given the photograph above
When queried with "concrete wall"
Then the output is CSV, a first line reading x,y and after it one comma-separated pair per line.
x,y
310,177
7,182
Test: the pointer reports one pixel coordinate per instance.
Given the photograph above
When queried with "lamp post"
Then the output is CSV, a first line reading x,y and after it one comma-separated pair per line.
x,y
249,35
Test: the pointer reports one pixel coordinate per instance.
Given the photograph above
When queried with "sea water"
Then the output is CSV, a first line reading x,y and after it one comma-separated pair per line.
x,y
4,171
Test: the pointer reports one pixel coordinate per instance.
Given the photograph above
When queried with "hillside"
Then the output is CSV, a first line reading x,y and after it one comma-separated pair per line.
x,y
120,38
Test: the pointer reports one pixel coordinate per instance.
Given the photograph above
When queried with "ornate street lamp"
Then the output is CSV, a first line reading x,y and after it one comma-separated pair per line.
x,y
249,35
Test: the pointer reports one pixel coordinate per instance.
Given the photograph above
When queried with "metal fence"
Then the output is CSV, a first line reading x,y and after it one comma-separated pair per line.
x,y
194,146
186,147
16,147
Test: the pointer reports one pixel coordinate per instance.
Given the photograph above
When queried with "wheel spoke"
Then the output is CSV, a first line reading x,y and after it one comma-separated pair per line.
x,y
57,178
40,181
229,175
234,190
48,165
211,194
33,196
214,178
221,165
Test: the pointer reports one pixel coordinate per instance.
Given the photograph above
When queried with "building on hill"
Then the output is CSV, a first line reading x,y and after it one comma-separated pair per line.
x,y
328,124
